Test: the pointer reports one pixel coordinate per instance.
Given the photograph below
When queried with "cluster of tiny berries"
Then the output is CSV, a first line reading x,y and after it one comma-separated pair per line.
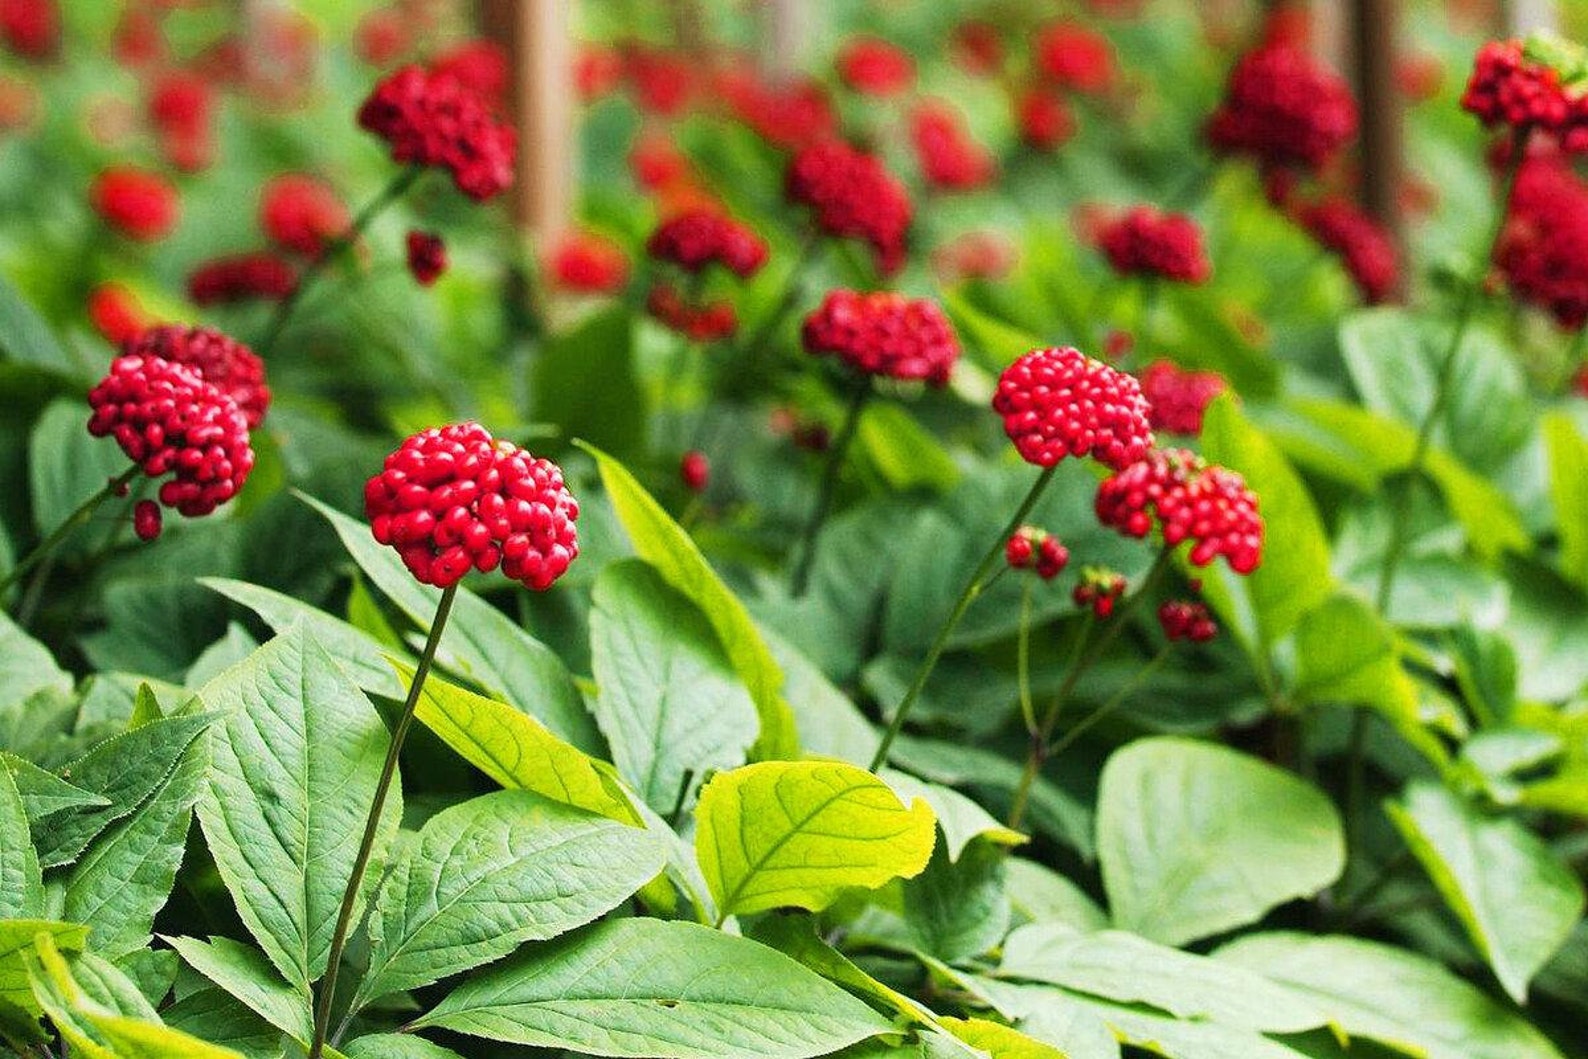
x,y
884,333
454,499
1030,548
433,119
950,159
1543,247
697,238
1148,242
1186,620
1099,590
1366,249
1187,499
1179,399
706,322
1507,88
301,214
427,257
588,263
853,196
1059,402
219,360
169,420
1285,110
255,275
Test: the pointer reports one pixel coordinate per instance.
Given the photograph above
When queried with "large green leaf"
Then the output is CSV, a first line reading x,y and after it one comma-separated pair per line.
x,y
26,338
1041,895
293,775
494,872
670,704
1390,995
905,453
1568,486
1129,969
1516,899
396,1046
584,382
649,988
246,974
125,876
26,666
518,751
221,1018
663,543
795,935
1000,1041
1183,1038
800,833
481,642
957,909
1196,839
21,881
17,937
44,793
67,465
962,820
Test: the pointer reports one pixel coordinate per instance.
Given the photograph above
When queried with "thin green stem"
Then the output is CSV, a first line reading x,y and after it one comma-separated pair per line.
x,y
829,483
1023,658
344,919
334,249
1081,727
791,293
84,512
973,588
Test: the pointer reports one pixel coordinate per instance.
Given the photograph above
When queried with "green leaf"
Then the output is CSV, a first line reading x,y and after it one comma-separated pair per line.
x,y
246,974
1294,576
1041,895
17,937
661,542
21,881
958,909
494,872
1568,486
67,465
800,833
396,1046
221,1018
584,381
962,820
905,454
107,985
1196,839
133,1039
1513,895
26,666
26,338
1067,1024
482,643
126,875
1180,1039
997,344
645,987
1111,965
794,935
1392,996
518,751
999,1041
124,770
292,779
43,793
670,702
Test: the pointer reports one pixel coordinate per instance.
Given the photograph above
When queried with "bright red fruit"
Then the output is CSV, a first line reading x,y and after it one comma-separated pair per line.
x,y
1147,242
853,195
1030,548
1283,109
697,238
1099,589
1507,88
1044,119
139,204
1074,57
949,159
1188,499
241,277
1059,402
589,264
1365,246
427,257
301,213
1179,398
1185,620
699,322
115,313
431,119
146,520
30,28
874,67
695,471
1543,247
219,360
884,333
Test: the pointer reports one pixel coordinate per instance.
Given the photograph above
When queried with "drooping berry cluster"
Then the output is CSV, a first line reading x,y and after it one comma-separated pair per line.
x,y
949,159
258,275
786,114
454,499
705,322
1543,248
1284,110
1179,399
698,238
1030,548
1099,590
1044,119
169,420
884,333
1186,620
427,257
138,204
1148,242
1187,499
219,360
301,214
1507,88
432,119
853,196
1059,402
589,264
874,67
1366,249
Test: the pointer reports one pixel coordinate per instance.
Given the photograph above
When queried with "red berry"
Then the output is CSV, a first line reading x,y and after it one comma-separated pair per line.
x,y
241,277
115,312
1507,88
146,520
1543,248
1030,548
853,196
697,238
1284,110
30,28
432,119
1059,402
138,204
301,213
588,263
884,333
1366,249
949,159
787,113
218,359
1074,57
1146,242
452,499
1098,589
1187,499
1185,620
695,471
1044,119
873,67
427,257
1179,399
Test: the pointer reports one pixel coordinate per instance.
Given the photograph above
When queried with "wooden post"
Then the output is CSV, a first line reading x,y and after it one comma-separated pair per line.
x,y
1526,16
1375,37
785,36
535,35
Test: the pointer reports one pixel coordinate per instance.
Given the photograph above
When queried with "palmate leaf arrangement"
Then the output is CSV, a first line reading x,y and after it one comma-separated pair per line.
x,y
406,826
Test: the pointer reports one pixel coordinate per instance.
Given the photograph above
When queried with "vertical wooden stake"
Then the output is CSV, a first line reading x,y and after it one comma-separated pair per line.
x,y
1375,37
785,36
1526,16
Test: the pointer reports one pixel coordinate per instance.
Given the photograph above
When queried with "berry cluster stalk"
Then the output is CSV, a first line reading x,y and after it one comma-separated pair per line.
x,y
335,248
83,513
824,493
973,588
344,919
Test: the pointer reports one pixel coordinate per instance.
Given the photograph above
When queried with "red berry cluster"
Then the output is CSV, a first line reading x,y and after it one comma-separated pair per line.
x,y
1365,247
1184,620
589,264
1179,398
259,275
884,333
950,160
30,28
1148,242
1507,88
181,107
697,238
1044,119
427,257
853,195
219,360
1188,499
454,499
1074,57
432,119
1059,402
1543,247
977,48
707,322
1284,110
694,470
301,214
1099,589
169,420
874,67
1030,548
788,115
138,204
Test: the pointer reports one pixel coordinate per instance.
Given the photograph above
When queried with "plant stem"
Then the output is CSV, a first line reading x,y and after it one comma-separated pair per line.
x,y
1023,659
973,588
83,513
1039,751
344,919
829,483
334,249
1115,701
790,295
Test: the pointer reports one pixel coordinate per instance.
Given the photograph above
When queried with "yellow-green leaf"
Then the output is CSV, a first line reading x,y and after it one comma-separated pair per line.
x,y
999,1041
1568,487
17,938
